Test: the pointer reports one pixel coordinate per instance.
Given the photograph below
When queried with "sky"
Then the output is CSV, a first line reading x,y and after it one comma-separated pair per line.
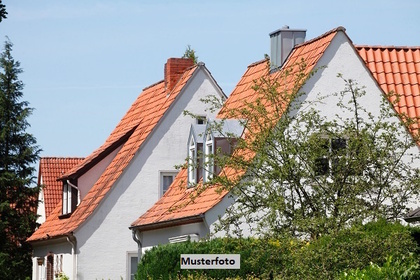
x,y
85,62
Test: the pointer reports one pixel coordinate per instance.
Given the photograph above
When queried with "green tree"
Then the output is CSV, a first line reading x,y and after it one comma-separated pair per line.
x,y
3,13
190,53
306,175
18,153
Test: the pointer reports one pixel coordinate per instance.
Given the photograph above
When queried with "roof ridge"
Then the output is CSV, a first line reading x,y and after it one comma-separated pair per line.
x,y
152,85
57,157
386,47
339,28
258,62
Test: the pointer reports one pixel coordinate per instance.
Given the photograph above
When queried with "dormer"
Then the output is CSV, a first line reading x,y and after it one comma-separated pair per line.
x,y
70,198
220,136
195,151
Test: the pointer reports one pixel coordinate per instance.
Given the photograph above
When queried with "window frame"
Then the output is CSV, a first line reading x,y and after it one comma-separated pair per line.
x,y
131,255
208,165
192,162
70,198
163,173
327,162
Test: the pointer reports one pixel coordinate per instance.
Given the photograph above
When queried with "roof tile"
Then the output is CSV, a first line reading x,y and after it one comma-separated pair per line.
x,y
403,76
144,114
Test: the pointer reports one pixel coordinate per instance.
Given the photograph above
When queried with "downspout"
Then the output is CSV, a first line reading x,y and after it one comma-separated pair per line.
x,y
139,245
72,240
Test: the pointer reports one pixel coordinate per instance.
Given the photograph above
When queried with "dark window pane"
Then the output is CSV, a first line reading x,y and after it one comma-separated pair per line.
x,y
321,166
338,144
167,181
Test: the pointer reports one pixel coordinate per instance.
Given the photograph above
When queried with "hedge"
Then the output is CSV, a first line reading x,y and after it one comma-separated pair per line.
x,y
328,257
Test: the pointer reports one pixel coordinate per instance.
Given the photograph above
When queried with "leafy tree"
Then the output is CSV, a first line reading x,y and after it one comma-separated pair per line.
x,y
3,13
18,153
305,175
190,53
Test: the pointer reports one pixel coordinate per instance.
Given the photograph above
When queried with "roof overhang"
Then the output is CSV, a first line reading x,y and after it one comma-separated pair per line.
x,y
169,223
413,216
47,240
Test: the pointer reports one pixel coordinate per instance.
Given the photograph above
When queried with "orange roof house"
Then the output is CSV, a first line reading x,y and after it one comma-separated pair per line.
x,y
50,169
176,217
103,193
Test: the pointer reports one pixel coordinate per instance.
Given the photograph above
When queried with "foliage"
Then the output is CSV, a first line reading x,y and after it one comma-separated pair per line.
x,y
3,13
353,248
291,258
62,276
162,262
190,53
405,268
18,152
306,174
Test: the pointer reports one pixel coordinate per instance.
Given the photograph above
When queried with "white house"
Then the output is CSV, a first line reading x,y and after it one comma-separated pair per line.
x,y
86,236
176,217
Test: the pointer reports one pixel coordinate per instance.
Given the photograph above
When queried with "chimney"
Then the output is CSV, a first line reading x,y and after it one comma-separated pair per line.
x,y
174,68
282,43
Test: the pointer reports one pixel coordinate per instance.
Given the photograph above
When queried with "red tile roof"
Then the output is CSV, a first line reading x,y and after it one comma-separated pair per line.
x,y
50,169
176,204
131,132
397,69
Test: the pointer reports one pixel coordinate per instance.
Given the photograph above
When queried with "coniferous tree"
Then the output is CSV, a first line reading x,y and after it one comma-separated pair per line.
x,y
18,153
3,13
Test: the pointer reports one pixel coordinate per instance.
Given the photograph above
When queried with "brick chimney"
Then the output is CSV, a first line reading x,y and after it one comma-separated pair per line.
x,y
174,68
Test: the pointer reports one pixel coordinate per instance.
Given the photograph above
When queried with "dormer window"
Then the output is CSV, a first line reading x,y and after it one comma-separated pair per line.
x,y
70,197
208,158
195,150
192,162
220,136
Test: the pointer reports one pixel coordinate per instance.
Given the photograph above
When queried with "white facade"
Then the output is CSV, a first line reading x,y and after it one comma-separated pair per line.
x,y
40,211
339,58
105,247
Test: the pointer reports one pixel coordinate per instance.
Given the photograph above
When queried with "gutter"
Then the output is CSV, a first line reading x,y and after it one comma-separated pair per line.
x,y
169,223
72,240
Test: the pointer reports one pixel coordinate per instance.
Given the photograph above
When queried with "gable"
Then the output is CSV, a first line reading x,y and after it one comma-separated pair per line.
x,y
139,122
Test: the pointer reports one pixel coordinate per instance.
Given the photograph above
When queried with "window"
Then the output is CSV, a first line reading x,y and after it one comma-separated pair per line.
x,y
165,180
70,197
208,158
50,267
58,264
192,162
132,262
201,120
195,154
40,270
331,153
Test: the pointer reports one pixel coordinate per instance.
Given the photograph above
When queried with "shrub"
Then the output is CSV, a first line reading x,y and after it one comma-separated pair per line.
x,y
353,248
325,258
258,257
403,268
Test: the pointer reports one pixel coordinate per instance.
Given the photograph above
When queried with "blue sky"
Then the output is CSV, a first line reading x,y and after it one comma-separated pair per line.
x,y
85,62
